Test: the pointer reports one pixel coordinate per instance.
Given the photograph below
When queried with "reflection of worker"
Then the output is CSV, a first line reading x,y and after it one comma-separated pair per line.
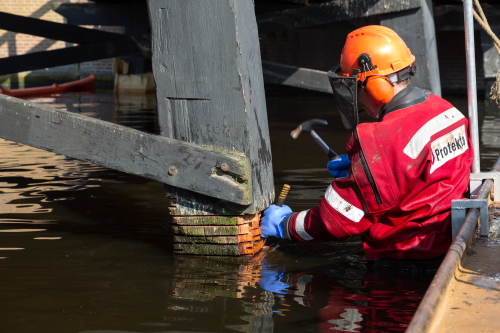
x,y
406,168
375,303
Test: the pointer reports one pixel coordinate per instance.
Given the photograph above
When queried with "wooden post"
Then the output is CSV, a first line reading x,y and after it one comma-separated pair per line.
x,y
416,28
210,91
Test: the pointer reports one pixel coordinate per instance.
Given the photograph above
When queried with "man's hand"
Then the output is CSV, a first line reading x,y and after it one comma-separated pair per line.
x,y
272,222
339,167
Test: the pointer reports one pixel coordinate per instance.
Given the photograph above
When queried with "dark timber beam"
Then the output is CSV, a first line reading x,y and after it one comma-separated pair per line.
x,y
330,12
52,30
304,78
451,17
103,13
180,164
134,17
416,28
208,72
117,47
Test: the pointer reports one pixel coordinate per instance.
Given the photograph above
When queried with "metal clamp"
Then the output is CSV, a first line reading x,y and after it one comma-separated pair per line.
x,y
459,209
476,180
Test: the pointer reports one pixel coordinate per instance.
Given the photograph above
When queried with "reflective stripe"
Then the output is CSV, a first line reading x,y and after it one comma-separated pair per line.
x,y
299,226
302,281
343,207
433,126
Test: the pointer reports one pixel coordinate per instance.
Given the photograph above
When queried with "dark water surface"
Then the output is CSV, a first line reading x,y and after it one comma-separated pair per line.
x,y
85,249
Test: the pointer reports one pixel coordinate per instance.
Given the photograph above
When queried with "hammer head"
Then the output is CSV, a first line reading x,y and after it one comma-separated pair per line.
x,y
307,126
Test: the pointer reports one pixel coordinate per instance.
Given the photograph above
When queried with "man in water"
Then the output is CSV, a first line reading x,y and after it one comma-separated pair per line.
x,y
396,183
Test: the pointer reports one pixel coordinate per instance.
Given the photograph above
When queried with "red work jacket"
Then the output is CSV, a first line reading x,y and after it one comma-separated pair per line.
x,y
405,171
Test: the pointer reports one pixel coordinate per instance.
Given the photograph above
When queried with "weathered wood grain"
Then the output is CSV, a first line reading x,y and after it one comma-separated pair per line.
x,y
124,149
330,12
252,219
207,67
190,203
190,230
207,240
206,220
219,239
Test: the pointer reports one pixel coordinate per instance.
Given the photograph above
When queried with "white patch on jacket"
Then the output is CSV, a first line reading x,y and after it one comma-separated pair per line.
x,y
433,126
448,147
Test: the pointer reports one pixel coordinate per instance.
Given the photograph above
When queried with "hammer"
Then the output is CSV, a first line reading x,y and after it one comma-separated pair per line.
x,y
306,126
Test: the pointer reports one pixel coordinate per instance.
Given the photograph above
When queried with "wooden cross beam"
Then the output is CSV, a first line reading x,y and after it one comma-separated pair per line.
x,y
180,164
117,47
94,44
292,76
117,14
53,30
333,11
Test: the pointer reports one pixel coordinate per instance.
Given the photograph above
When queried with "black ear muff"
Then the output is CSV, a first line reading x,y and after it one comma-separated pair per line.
x,y
380,89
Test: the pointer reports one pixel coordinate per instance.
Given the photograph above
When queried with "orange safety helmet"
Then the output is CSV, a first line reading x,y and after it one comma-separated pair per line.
x,y
373,53
376,57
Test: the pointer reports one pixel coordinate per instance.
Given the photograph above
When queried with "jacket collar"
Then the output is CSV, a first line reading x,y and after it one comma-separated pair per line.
x,y
407,97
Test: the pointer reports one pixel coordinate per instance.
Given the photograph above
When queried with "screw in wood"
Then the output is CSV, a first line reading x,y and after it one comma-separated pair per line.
x,y
224,167
172,170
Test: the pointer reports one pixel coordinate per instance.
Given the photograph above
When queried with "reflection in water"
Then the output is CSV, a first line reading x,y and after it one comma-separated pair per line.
x,y
85,249
207,291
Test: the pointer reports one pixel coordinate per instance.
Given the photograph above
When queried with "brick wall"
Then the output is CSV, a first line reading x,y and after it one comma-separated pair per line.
x,y
12,44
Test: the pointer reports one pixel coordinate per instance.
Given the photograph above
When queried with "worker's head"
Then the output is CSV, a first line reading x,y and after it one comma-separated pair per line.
x,y
374,66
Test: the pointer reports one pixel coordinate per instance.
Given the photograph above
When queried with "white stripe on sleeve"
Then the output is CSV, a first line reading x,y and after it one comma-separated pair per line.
x,y
299,226
343,207
433,126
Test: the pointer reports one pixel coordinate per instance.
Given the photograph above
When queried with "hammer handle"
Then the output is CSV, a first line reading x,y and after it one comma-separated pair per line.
x,y
331,154
283,195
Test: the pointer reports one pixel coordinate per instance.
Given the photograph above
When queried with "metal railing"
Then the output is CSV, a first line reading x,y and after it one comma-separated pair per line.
x,y
471,83
429,310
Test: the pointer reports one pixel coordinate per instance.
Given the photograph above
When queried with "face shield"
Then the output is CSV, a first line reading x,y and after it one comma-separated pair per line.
x,y
345,92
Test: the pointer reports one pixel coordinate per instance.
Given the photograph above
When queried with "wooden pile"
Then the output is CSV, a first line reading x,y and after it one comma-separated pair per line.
x,y
217,235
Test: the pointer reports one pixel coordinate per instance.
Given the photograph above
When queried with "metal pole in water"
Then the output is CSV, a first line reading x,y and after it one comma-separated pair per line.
x,y
471,83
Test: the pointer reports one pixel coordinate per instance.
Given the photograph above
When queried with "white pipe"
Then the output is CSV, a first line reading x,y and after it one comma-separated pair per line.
x,y
471,83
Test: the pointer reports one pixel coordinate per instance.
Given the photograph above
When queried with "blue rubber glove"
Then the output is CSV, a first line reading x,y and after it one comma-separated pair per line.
x,y
272,222
271,279
339,168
